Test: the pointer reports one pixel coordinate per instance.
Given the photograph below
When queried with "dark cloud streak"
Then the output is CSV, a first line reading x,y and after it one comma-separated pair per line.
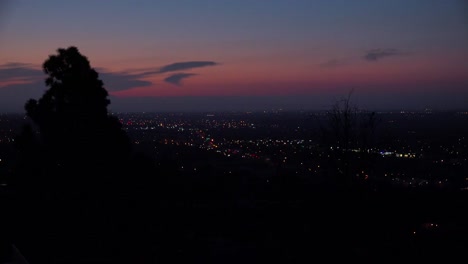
x,y
177,78
15,95
180,66
378,54
122,81
19,70
112,81
372,55
20,81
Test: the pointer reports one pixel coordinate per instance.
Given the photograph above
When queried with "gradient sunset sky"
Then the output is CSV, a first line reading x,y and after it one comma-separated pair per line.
x,y
185,55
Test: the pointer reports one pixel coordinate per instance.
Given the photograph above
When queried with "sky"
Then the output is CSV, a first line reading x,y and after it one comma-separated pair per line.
x,y
245,55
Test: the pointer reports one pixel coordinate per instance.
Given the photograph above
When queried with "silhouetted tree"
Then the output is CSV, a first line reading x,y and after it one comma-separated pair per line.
x,y
349,130
343,118
75,165
75,132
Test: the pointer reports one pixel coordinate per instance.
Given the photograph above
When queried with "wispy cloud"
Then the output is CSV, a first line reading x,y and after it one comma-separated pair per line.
x,y
30,76
177,78
180,66
372,55
20,81
12,74
14,70
119,81
378,54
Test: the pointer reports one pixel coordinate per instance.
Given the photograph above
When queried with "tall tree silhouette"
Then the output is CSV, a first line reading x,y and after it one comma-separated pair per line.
x,y
75,131
74,160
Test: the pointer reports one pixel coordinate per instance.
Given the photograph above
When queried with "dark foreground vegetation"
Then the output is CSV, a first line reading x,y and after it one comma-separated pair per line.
x,y
276,226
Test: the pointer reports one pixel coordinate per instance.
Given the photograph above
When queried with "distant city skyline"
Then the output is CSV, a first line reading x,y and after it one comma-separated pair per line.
x,y
220,55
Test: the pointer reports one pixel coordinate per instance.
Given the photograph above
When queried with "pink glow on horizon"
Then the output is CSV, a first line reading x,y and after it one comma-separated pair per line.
x,y
263,74
263,79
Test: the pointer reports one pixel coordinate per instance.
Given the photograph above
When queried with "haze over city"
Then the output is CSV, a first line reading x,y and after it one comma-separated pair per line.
x,y
213,55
